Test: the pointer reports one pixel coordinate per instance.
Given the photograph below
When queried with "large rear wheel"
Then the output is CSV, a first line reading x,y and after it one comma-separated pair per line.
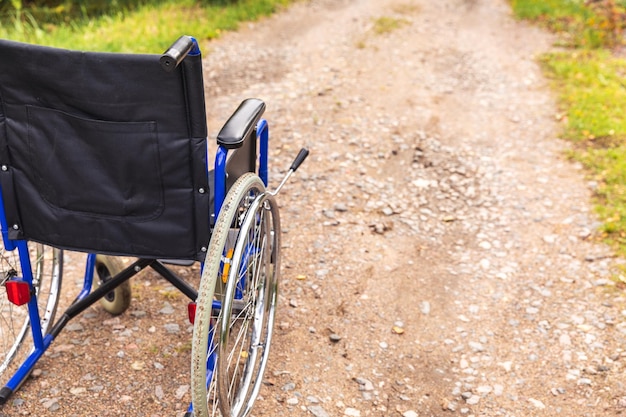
x,y
236,302
248,308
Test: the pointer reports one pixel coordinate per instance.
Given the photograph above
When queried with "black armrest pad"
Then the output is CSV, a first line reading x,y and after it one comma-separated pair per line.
x,y
241,123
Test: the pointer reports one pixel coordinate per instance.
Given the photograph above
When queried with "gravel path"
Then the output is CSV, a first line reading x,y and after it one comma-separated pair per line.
x,y
440,257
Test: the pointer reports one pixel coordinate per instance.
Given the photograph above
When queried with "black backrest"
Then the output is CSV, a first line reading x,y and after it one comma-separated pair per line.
x,y
103,152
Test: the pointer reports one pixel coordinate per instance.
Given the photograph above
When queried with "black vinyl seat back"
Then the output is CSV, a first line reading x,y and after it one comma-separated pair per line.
x,y
104,152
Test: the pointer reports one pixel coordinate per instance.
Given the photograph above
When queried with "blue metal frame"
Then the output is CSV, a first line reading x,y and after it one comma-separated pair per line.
x,y
221,157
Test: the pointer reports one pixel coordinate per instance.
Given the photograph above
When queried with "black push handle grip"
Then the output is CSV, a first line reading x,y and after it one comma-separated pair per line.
x,y
304,152
176,53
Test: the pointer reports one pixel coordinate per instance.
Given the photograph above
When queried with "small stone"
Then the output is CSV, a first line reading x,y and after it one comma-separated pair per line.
x,y
476,346
410,413
74,327
167,309
111,322
289,387
292,401
78,390
550,238
388,211
158,392
508,365
181,391
448,405
484,389
352,412
317,411
172,328
364,384
537,404
397,330
565,340
425,307
52,404
334,337
473,400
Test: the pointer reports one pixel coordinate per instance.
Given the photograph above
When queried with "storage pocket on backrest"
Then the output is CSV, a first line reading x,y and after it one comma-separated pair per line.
x,y
96,167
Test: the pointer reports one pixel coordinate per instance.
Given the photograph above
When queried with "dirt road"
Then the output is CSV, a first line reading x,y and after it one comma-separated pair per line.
x,y
439,251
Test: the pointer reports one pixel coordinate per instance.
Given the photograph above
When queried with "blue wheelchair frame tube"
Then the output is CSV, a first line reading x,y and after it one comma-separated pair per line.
x,y
40,342
263,133
221,156
90,268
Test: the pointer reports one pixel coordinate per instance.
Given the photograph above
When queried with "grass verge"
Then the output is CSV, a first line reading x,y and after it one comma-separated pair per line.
x,y
589,79
144,27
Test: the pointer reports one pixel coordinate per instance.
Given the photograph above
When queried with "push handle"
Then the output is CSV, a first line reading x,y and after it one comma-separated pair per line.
x,y
304,152
177,52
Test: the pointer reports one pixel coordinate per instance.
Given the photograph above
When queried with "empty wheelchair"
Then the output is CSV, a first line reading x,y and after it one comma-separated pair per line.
x,y
107,154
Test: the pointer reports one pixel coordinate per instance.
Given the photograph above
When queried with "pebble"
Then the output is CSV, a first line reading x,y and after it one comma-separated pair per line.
x,y
473,400
536,403
158,392
289,386
74,327
181,391
167,309
172,328
317,411
78,390
334,337
51,404
365,384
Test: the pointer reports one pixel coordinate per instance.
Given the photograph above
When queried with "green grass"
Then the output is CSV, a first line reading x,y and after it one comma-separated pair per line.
x,y
148,26
591,91
578,23
386,24
609,169
590,83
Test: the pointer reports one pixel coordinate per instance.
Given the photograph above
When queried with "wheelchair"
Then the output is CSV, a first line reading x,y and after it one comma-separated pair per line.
x,y
106,154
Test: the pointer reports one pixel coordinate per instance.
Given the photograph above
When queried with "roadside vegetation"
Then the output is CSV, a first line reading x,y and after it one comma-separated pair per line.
x,y
588,72
142,26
